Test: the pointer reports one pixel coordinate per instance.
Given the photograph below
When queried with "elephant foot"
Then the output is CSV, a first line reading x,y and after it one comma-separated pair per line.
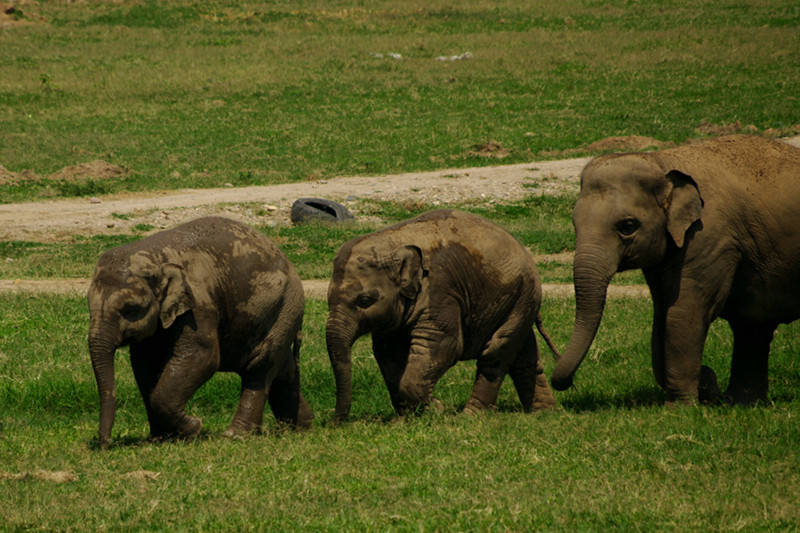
x,y
304,415
543,396
474,406
239,430
678,401
743,397
436,405
708,390
187,430
190,428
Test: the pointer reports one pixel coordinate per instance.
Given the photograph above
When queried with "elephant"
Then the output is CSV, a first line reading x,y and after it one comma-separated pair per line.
x,y
714,225
209,295
439,288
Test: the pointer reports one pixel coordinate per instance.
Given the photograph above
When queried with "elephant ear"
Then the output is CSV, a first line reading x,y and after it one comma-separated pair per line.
x,y
684,205
176,295
406,269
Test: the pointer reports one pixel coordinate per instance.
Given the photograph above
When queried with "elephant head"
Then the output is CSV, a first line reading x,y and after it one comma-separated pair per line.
x,y
370,291
129,298
629,214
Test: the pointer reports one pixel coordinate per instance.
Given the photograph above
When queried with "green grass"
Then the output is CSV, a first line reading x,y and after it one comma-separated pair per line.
x,y
200,94
197,94
610,457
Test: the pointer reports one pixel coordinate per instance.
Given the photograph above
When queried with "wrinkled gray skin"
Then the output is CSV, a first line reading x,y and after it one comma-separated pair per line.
x,y
437,289
209,295
715,227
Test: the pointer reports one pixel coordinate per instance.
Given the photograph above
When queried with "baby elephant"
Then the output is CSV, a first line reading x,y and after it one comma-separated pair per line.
x,y
209,295
442,287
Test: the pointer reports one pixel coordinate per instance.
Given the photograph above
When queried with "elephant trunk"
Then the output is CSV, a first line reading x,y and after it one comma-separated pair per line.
x,y
340,334
592,272
102,346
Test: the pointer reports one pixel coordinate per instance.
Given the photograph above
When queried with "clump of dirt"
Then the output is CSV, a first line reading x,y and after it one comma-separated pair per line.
x,y
8,177
489,149
730,128
717,130
627,142
11,16
94,170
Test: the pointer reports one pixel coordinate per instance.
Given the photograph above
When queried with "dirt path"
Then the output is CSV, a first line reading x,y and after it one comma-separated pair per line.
x,y
314,289
60,220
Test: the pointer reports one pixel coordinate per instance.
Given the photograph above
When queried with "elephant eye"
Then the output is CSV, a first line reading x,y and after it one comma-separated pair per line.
x,y
628,226
132,312
365,300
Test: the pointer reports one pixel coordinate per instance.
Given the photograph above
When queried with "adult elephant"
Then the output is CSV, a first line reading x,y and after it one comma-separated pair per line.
x,y
208,295
715,227
439,288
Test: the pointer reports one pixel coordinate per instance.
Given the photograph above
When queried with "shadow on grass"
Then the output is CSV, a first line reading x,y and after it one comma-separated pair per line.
x,y
593,400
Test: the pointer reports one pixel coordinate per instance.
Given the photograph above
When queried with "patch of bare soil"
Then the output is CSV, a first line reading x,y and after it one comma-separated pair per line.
x,y
12,16
94,170
627,143
730,128
491,149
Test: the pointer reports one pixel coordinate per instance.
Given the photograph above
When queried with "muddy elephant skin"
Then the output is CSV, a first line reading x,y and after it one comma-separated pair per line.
x,y
715,227
442,287
206,296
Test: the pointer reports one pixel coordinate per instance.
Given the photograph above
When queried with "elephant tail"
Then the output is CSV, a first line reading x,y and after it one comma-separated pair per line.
x,y
546,337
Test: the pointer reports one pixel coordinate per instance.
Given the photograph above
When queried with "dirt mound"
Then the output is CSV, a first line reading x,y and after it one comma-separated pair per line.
x,y
730,128
8,177
11,16
491,149
95,170
627,143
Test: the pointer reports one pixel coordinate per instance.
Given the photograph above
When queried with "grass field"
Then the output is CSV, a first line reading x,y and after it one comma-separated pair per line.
x,y
201,94
610,457
198,94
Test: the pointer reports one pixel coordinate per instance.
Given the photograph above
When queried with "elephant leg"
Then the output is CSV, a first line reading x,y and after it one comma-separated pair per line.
x,y
707,390
679,334
194,359
749,381
271,374
507,346
527,373
285,397
391,354
488,380
431,353
148,359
